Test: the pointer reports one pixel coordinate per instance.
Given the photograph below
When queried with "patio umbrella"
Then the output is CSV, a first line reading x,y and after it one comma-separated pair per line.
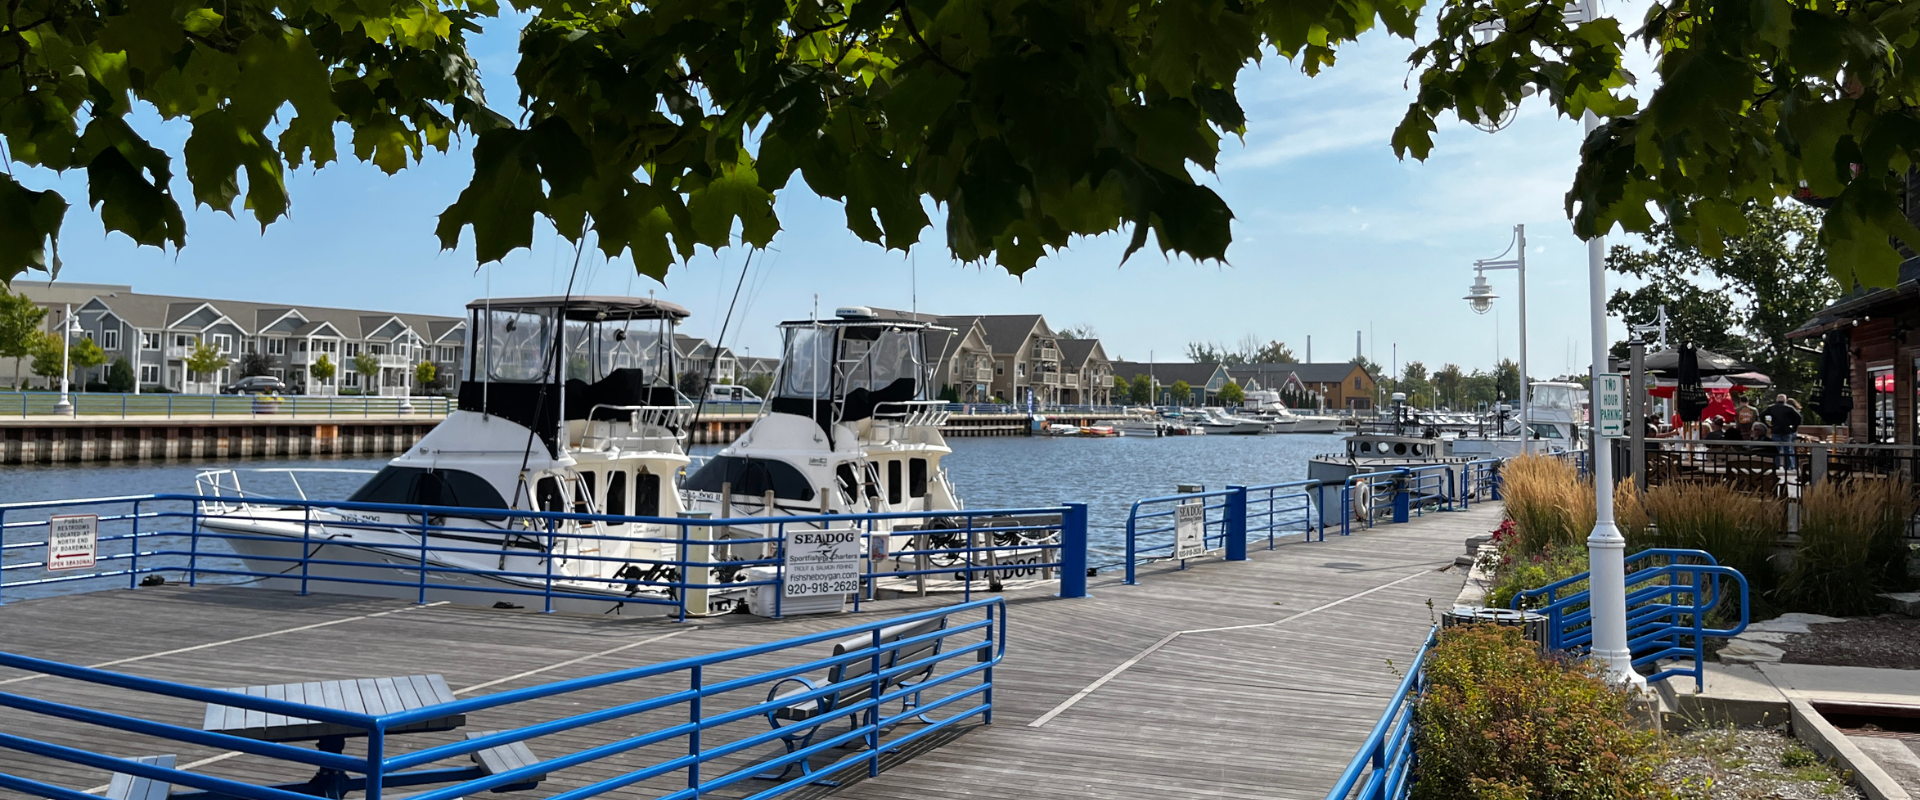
x,y
1690,395
1831,396
1707,362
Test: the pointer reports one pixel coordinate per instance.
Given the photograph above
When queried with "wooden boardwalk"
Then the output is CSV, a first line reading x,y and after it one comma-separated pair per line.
x,y
1254,680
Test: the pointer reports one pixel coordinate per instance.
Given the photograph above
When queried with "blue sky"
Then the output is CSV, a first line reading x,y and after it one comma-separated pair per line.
x,y
1333,236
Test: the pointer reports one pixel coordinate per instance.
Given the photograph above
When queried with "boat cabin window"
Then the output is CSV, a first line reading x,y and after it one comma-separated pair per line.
x,y
429,487
617,492
1542,430
646,496
917,477
752,477
547,495
516,345
894,485
873,481
583,492
1556,397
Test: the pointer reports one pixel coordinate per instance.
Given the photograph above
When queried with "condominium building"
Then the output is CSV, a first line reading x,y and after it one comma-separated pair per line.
x,y
159,334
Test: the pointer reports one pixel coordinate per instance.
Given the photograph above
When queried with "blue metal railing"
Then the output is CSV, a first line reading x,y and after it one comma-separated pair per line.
x,y
528,555
1383,767
1670,594
105,405
691,726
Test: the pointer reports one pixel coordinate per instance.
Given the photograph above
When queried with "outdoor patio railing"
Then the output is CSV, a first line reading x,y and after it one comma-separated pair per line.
x,y
678,729
531,556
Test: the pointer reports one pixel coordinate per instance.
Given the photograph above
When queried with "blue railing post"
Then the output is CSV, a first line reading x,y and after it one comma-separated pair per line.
x,y
1493,480
1401,494
693,735
133,567
1073,551
1234,519
1132,548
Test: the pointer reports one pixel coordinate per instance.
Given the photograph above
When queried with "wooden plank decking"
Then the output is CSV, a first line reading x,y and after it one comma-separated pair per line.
x,y
1130,693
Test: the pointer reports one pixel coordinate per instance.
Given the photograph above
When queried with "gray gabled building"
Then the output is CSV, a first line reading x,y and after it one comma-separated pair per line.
x,y
157,334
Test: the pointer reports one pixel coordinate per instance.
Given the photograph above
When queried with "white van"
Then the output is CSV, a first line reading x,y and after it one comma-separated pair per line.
x,y
731,393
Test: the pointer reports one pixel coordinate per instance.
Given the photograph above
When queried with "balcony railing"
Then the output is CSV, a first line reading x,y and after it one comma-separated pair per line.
x,y
1047,354
983,375
179,350
1070,381
391,360
1050,378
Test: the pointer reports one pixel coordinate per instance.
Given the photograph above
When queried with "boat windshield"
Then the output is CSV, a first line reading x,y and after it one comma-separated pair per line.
x,y
1549,396
878,362
807,364
596,349
514,345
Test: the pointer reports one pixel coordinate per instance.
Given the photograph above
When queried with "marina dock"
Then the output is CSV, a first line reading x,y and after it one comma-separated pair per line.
x,y
1254,679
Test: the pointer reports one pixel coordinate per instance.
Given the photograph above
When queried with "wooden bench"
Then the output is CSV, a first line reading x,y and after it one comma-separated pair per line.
x,y
504,758
134,787
801,719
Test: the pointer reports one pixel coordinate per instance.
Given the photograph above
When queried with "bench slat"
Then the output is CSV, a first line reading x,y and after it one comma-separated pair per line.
x,y
134,787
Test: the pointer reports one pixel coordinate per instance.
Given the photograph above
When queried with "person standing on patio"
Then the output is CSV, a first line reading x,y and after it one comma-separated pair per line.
x,y
1744,415
1784,422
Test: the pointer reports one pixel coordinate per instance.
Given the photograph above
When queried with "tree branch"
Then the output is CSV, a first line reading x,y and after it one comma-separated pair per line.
x,y
914,31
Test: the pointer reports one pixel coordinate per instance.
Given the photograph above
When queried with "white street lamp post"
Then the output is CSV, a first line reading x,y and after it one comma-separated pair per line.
x,y
65,406
1480,296
1606,548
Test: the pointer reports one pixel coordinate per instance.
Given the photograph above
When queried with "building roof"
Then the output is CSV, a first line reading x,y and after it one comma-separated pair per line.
x,y
156,312
1166,372
1270,375
1007,333
1860,302
1074,352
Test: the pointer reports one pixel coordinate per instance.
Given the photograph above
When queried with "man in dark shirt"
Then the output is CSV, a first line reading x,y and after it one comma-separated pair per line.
x,y
1783,421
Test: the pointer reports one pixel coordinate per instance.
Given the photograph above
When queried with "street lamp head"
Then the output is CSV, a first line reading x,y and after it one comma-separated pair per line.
x,y
1480,296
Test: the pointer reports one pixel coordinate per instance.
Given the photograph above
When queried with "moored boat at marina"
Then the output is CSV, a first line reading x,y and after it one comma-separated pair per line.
x,y
568,405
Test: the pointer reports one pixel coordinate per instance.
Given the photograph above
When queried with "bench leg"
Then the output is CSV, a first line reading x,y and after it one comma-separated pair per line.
x,y
792,744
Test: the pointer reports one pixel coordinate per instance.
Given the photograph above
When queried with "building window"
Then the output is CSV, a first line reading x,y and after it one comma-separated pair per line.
x,y
149,341
352,380
375,349
1356,387
184,340
1881,421
276,347
149,373
353,349
223,343
1020,370
110,339
447,354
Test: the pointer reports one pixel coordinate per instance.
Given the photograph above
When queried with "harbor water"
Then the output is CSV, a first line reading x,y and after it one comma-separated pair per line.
x,y
1014,472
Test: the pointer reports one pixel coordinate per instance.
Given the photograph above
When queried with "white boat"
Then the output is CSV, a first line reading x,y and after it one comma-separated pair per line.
x,y
1218,422
568,404
1267,405
850,428
1555,423
1135,425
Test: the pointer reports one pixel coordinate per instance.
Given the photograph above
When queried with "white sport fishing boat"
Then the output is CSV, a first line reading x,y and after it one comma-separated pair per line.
x,y
850,428
1217,422
1267,405
568,404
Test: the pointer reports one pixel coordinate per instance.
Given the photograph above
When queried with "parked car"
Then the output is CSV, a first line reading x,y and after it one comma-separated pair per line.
x,y
731,393
257,384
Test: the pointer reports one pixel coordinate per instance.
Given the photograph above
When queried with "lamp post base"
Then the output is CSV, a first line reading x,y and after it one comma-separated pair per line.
x,y
1607,589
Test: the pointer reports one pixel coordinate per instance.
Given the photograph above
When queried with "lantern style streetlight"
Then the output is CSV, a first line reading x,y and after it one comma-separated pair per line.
x,y
1480,297
68,327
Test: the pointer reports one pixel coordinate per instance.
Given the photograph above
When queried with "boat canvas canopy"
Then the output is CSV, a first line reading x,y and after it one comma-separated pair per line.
x,y
589,307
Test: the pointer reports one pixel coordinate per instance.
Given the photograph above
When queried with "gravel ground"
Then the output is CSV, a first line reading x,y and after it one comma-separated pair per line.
x,y
1749,764
1885,642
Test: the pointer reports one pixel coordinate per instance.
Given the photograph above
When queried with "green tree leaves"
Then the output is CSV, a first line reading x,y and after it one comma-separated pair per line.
x,y
261,86
1754,101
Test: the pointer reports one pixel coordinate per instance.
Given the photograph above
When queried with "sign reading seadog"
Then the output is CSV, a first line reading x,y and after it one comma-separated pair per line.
x,y
822,562
1190,530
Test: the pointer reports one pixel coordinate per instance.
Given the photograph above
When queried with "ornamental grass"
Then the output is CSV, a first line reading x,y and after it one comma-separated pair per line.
x,y
1852,546
1738,529
1552,508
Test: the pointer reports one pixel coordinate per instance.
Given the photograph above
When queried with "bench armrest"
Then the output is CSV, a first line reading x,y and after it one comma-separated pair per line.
x,y
775,693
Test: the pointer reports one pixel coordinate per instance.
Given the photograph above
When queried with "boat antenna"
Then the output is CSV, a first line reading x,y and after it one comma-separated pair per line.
x,y
713,364
549,363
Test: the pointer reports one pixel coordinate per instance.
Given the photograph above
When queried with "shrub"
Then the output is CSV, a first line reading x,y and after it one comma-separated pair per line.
x,y
1738,529
1514,574
1852,546
1497,721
